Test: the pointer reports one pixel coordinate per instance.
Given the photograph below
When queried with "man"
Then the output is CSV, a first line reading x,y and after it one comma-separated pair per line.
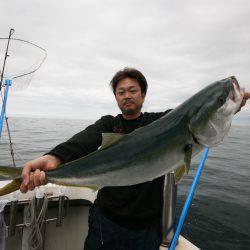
x,y
121,217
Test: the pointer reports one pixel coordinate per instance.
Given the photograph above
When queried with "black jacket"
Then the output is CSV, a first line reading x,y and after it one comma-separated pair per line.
x,y
135,206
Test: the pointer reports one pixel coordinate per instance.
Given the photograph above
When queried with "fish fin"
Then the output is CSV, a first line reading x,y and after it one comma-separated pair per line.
x,y
179,172
190,151
188,156
110,138
197,148
10,172
11,187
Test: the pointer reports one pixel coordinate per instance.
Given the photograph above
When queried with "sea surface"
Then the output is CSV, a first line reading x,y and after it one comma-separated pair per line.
x,y
219,217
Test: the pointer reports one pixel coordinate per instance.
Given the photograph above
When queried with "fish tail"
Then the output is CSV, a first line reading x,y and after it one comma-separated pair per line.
x,y
10,172
11,187
15,175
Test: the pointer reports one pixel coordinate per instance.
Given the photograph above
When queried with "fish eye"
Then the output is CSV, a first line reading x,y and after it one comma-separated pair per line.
x,y
221,99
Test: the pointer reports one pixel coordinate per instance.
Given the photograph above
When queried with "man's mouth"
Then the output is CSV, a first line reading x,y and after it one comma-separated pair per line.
x,y
128,103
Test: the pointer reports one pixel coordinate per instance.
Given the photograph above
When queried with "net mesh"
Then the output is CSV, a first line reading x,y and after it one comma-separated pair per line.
x,y
20,60
24,59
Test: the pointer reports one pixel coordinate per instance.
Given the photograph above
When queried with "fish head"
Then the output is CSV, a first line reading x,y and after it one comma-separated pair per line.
x,y
217,105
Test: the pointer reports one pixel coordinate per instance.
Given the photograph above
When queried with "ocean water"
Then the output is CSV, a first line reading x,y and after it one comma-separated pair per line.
x,y
219,217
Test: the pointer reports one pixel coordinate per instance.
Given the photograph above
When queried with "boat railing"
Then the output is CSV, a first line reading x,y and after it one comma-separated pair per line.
x,y
169,234
36,207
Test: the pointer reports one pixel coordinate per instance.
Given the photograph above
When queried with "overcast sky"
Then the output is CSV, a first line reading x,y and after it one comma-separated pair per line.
x,y
180,46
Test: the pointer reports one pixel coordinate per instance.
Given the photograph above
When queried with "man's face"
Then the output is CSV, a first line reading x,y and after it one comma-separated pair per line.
x,y
128,96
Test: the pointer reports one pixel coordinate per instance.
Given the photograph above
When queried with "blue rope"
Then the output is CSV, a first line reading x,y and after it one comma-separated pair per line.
x,y
7,84
189,199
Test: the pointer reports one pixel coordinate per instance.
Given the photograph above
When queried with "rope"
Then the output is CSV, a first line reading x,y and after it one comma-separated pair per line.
x,y
36,220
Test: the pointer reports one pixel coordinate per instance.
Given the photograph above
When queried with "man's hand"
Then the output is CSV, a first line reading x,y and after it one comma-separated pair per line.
x,y
33,171
246,96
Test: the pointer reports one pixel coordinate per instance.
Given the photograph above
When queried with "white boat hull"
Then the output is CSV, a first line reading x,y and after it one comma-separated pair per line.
x,y
74,229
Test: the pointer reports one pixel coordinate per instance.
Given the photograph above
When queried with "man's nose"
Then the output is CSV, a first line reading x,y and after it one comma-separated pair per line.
x,y
127,95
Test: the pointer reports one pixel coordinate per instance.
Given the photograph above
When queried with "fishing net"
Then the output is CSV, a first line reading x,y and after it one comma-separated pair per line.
x,y
23,60
20,59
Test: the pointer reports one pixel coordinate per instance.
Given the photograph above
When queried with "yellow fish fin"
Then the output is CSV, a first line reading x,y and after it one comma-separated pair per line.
x,y
11,187
179,172
10,172
109,138
196,149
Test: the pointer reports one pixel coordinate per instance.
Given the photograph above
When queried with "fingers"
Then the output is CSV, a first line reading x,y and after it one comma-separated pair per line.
x,y
26,173
42,178
31,184
243,103
30,181
23,188
39,178
247,95
35,179
32,173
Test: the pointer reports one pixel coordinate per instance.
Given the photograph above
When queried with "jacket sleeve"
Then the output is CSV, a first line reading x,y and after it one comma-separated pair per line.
x,y
83,142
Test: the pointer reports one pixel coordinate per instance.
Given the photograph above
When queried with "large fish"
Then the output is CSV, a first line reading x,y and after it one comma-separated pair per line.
x,y
165,145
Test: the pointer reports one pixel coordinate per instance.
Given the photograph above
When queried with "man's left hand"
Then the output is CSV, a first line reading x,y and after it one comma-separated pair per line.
x,y
246,96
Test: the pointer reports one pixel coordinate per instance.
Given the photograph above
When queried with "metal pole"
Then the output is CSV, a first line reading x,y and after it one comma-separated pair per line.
x,y
13,218
5,57
189,199
7,84
168,209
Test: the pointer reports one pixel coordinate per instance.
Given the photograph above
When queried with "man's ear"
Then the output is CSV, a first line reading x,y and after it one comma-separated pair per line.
x,y
143,95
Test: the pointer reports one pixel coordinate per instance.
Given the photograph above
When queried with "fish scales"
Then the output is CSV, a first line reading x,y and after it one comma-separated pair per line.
x,y
136,153
165,145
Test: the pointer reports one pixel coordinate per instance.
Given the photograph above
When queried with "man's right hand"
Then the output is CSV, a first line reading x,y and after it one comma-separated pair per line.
x,y
34,171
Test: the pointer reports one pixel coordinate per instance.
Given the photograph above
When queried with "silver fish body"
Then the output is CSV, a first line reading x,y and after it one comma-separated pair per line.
x,y
159,147
165,145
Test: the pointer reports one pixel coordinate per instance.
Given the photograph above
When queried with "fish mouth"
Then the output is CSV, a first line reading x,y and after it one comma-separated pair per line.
x,y
236,93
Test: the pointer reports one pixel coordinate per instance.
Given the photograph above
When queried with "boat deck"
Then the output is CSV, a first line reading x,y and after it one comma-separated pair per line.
x,y
73,230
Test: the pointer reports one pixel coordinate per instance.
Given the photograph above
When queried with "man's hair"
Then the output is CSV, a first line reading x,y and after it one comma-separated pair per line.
x,y
130,73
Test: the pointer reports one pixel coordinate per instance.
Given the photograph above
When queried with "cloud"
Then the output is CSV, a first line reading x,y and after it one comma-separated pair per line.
x,y
180,46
